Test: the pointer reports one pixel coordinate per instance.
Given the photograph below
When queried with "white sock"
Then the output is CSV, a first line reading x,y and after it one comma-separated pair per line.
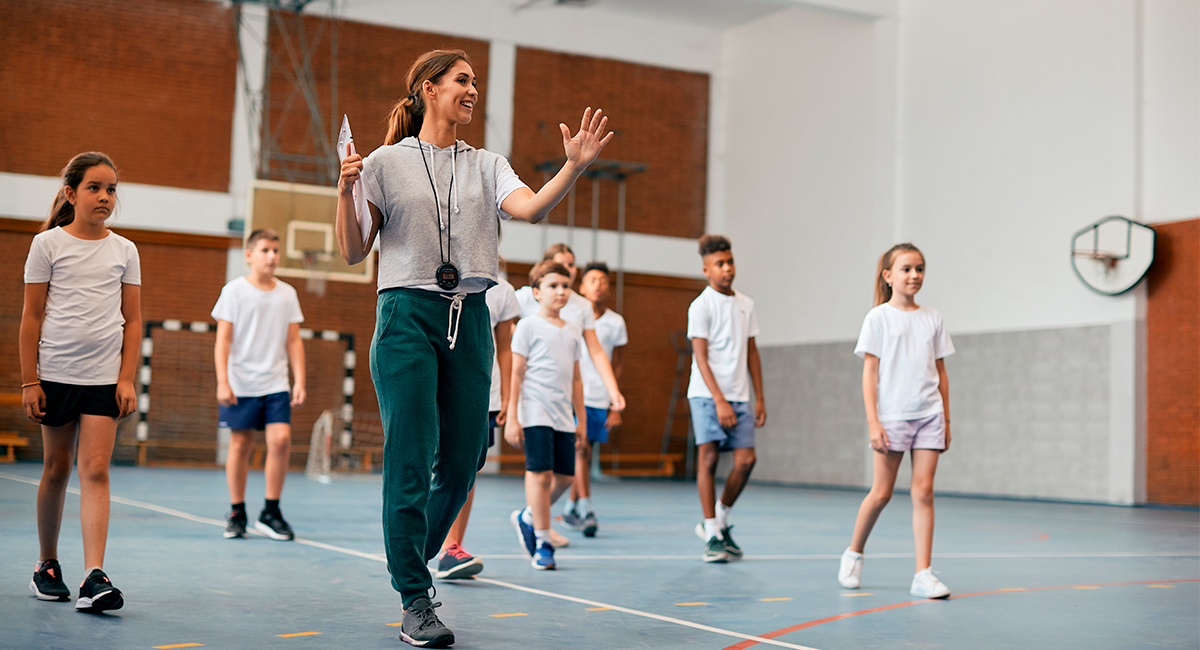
x,y
852,553
527,516
569,507
723,513
88,571
543,537
585,506
712,529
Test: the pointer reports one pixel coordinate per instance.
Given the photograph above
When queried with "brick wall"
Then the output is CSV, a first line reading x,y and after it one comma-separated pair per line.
x,y
660,118
149,82
1173,366
655,307
372,63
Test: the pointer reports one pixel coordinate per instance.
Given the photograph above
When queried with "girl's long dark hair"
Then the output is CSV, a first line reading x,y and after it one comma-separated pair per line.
x,y
63,211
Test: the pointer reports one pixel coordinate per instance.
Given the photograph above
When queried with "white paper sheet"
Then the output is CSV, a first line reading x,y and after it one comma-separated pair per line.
x,y
360,194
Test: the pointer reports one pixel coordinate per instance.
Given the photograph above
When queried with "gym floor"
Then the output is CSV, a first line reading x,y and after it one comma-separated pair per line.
x,y
1024,574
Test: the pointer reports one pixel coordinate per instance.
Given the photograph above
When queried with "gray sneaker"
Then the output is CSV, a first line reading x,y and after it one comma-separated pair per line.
x,y
590,525
714,551
422,628
572,520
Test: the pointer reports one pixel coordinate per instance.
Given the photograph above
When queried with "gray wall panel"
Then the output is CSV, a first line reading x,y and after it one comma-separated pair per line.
x,y
1030,415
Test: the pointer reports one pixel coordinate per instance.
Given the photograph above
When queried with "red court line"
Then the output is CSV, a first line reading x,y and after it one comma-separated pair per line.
x,y
821,621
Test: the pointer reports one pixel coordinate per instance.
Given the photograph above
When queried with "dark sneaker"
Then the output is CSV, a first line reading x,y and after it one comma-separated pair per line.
x,y
97,594
589,525
572,520
457,564
235,524
524,531
543,558
422,628
273,525
731,548
714,551
47,583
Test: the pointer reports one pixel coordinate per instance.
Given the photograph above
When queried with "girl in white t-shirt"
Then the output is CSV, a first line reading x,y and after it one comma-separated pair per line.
x,y
78,343
906,394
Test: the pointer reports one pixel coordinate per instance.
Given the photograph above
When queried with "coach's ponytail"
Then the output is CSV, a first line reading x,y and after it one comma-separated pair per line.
x,y
408,113
62,212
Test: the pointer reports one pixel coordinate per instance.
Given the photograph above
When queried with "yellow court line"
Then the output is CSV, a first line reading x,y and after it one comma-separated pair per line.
x,y
1160,586
178,645
507,615
867,593
395,624
599,609
298,634
771,600
689,604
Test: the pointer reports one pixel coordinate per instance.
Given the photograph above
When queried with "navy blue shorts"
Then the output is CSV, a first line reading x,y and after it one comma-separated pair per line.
x,y
596,419
492,428
66,402
256,412
547,449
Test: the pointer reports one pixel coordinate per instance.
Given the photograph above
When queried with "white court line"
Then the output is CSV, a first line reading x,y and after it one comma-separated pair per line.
x,y
337,549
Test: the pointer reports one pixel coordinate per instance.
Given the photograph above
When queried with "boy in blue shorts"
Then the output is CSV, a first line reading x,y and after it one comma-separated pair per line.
x,y
545,407
258,333
612,334
722,326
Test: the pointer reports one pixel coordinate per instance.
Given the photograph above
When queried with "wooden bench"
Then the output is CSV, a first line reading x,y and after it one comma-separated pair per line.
x,y
665,463
11,441
257,453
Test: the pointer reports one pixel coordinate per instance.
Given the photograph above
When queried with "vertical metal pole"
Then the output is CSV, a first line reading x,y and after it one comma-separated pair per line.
x,y
621,245
571,217
334,123
595,217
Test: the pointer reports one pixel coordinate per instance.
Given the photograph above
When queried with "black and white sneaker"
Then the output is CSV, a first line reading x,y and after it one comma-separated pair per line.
x,y
273,525
235,524
589,525
731,548
47,582
422,628
97,594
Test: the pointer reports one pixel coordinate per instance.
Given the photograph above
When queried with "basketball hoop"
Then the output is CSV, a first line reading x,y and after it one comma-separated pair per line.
x,y
1106,260
318,262
1105,271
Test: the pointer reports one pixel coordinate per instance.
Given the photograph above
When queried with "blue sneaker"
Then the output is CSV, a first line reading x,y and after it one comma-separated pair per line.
x,y
524,531
544,557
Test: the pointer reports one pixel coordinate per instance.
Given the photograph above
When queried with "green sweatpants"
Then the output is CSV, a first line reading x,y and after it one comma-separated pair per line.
x,y
433,401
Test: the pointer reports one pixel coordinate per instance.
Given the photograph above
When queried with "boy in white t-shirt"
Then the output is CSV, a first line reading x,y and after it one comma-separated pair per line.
x,y
456,563
258,333
612,334
546,398
722,326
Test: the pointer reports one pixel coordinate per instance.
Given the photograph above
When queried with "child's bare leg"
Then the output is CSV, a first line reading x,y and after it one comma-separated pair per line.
x,y
459,528
743,464
581,486
279,454
707,456
537,495
561,483
886,466
96,436
924,464
58,450
237,463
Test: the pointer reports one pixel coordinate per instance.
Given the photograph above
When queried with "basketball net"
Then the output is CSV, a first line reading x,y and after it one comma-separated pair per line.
x,y
318,261
1107,260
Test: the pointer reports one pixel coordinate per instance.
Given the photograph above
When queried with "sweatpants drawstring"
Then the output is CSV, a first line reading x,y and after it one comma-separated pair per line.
x,y
452,321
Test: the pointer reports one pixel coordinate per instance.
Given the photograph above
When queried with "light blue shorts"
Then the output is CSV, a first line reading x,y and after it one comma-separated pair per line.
x,y
708,428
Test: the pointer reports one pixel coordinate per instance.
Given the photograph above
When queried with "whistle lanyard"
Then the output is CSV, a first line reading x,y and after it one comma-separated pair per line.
x,y
444,257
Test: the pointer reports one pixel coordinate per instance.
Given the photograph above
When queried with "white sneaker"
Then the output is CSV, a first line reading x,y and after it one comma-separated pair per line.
x,y
850,572
926,585
557,540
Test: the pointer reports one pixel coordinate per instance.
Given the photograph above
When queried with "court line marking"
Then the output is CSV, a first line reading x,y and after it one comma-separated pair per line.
x,y
909,603
178,645
689,604
771,600
874,556
508,615
337,549
858,595
298,634
599,609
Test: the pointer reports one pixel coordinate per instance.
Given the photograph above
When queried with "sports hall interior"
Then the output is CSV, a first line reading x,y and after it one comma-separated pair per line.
x,y
814,134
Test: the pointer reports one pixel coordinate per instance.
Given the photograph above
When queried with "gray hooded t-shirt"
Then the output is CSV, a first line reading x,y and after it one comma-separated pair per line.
x,y
398,184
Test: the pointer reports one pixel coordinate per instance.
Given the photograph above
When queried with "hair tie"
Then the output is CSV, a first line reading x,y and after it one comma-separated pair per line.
x,y
412,98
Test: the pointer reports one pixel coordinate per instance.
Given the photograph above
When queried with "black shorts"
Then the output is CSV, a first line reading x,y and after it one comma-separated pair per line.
x,y
492,428
66,402
547,449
